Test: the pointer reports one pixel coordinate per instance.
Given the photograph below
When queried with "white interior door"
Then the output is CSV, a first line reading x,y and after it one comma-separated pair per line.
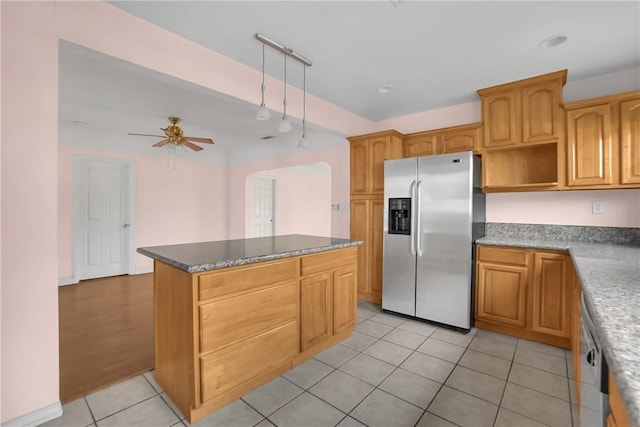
x,y
102,218
263,206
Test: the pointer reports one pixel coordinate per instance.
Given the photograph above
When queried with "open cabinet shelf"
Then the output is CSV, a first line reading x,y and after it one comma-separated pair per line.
x,y
523,167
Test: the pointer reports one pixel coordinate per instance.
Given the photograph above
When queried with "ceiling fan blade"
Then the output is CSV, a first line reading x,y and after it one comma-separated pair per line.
x,y
146,134
201,140
194,147
161,143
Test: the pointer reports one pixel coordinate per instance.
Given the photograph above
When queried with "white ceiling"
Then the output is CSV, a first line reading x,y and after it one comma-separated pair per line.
x,y
435,54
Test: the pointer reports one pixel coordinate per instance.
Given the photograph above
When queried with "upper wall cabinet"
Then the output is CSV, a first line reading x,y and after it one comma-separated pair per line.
x,y
523,112
442,141
368,153
603,142
523,144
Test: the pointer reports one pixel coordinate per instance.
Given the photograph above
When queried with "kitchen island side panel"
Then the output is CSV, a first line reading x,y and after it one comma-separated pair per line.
x,y
174,298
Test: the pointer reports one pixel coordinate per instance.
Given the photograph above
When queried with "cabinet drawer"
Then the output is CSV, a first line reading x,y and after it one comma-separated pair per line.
x,y
503,255
226,321
242,278
228,368
324,261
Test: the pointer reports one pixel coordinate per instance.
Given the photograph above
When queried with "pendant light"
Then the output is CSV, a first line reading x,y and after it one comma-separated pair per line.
x,y
304,142
263,112
285,125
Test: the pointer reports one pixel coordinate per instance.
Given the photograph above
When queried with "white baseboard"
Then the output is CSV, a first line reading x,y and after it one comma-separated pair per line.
x,y
37,417
144,270
63,281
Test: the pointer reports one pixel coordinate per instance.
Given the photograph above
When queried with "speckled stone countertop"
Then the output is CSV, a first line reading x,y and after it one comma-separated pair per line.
x,y
610,278
205,256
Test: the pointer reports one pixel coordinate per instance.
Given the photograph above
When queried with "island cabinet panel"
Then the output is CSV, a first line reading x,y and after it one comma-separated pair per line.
x,y
525,293
316,310
618,416
328,308
175,336
235,365
229,320
345,299
238,279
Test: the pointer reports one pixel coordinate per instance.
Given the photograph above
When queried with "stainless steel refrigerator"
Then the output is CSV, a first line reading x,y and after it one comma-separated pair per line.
x,y
434,211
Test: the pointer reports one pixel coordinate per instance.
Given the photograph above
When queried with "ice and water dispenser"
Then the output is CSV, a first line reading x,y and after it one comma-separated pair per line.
x,y
400,216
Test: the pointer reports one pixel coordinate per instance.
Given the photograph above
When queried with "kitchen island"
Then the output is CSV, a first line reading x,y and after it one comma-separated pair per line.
x,y
231,315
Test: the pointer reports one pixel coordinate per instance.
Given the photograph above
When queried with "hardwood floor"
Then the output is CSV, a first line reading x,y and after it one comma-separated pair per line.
x,y
106,332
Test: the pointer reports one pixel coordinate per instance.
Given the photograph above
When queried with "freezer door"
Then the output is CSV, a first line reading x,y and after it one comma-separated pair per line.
x,y
399,261
444,262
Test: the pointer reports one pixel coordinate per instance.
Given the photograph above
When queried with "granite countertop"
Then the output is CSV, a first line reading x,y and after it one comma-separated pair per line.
x,y
205,256
610,278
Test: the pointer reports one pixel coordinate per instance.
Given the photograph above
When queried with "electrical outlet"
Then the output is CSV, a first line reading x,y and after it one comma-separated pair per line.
x,y
335,207
597,207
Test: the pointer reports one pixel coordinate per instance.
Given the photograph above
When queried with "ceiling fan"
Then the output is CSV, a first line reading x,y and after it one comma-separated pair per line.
x,y
173,134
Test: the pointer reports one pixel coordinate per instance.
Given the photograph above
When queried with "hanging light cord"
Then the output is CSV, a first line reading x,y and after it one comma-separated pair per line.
x,y
262,87
304,99
284,102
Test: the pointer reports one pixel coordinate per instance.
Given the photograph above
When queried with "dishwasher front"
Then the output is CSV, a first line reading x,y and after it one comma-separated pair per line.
x,y
594,393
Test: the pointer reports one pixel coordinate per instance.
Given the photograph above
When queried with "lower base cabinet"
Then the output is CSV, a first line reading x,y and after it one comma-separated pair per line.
x,y
525,293
220,334
618,416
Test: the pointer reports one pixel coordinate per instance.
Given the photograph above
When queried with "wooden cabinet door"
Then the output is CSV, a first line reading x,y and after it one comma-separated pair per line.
x,y
457,141
551,294
359,166
378,152
500,116
541,112
376,238
501,294
315,309
589,146
345,299
618,416
630,142
360,231
420,145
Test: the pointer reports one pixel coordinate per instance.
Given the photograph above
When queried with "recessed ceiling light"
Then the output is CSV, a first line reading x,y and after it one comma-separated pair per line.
x,y
385,89
79,124
552,41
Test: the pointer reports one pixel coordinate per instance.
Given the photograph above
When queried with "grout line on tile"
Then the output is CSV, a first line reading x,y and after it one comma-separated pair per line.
x,y
86,402
131,406
179,415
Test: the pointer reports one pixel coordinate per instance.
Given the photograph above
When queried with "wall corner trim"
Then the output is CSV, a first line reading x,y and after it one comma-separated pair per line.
x,y
37,417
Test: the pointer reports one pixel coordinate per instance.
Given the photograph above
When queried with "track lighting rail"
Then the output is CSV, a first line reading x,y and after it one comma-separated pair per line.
x,y
285,50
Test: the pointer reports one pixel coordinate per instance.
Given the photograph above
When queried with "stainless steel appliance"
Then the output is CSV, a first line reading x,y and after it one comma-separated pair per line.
x,y
594,386
434,210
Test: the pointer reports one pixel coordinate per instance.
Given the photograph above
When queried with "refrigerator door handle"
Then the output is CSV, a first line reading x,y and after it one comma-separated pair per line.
x,y
418,220
412,191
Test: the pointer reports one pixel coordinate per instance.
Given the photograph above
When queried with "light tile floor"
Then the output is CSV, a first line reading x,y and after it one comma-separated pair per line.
x,y
392,371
